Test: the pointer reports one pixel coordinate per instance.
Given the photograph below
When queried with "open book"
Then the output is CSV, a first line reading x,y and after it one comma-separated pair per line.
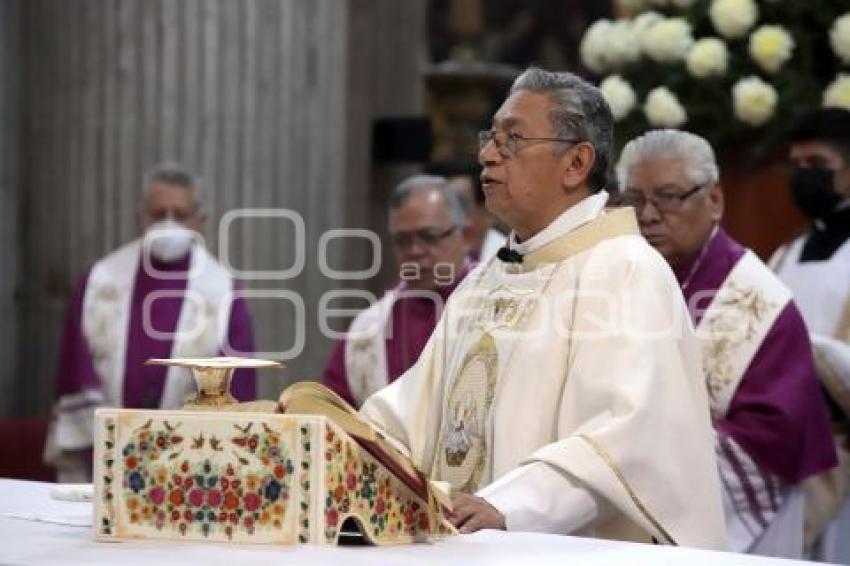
x,y
312,398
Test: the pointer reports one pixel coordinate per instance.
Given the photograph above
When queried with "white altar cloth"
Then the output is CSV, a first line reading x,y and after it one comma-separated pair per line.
x,y
37,529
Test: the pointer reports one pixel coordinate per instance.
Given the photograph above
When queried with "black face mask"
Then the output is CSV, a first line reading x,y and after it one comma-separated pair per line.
x,y
813,189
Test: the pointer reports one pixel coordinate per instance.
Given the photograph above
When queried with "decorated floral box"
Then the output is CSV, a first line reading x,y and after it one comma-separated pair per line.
x,y
246,477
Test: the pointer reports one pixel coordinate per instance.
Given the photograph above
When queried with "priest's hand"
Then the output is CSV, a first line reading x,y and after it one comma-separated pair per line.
x,y
471,513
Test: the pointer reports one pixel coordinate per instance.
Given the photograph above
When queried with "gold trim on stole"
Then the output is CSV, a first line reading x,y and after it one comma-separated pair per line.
x,y
603,454
612,223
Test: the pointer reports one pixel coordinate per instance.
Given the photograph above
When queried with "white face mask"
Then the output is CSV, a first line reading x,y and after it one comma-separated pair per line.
x,y
168,240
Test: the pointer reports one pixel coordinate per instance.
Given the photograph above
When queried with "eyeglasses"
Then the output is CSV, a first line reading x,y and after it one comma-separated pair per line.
x,y
508,143
180,215
425,236
664,200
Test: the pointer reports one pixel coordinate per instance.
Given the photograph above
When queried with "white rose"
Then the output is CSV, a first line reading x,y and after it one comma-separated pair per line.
x,y
663,109
839,37
753,101
619,95
733,18
708,57
642,24
837,94
771,47
594,44
623,46
669,40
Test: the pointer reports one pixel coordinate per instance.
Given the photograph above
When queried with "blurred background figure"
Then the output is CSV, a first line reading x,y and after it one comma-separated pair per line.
x,y
429,228
483,235
160,296
816,266
771,423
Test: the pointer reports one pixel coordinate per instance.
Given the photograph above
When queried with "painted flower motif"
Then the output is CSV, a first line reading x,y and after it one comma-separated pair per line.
x,y
733,18
176,497
214,498
331,517
157,495
251,501
351,482
231,500
272,491
196,497
136,481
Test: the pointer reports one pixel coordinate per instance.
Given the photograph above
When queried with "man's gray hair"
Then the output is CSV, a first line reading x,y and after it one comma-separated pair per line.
x,y
700,163
457,205
173,173
578,111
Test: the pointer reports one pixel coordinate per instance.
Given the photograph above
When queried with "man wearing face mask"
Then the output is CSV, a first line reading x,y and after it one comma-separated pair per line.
x,y
160,296
816,266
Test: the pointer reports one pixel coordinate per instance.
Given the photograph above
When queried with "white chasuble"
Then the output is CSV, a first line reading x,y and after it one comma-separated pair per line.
x,y
581,360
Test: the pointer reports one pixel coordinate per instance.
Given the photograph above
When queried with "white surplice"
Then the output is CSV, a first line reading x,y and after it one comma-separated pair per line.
x,y
822,293
568,391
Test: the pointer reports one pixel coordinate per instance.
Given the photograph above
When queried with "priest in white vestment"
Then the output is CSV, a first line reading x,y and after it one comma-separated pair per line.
x,y
162,295
816,266
771,420
562,391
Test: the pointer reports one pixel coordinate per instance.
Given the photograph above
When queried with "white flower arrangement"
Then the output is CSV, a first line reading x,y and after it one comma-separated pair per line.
x,y
733,18
623,45
839,38
642,24
620,95
669,40
753,60
754,101
594,45
663,109
708,57
837,94
771,47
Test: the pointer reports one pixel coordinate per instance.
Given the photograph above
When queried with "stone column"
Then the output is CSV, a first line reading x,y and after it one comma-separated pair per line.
x,y
9,72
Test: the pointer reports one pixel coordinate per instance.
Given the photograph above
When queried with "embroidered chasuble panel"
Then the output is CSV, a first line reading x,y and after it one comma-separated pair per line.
x,y
735,324
496,324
